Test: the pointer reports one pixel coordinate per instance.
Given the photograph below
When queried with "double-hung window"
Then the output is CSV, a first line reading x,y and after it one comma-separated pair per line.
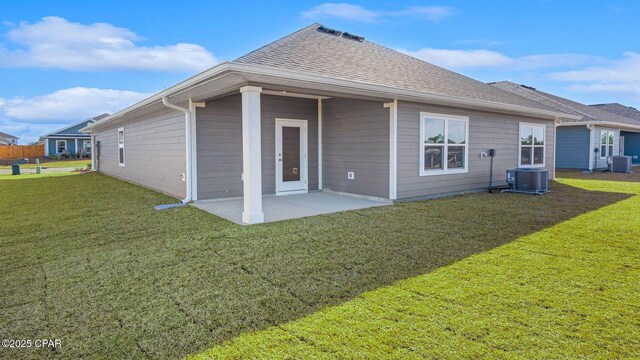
x,y
86,145
606,143
61,146
121,146
444,143
532,145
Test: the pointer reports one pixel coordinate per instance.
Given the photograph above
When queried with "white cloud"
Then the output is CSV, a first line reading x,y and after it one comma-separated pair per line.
x,y
625,70
619,76
484,58
351,12
73,104
341,11
430,13
54,42
461,58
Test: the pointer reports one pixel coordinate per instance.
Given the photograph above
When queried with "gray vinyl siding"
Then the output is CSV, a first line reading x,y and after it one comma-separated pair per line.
x,y
219,143
486,131
154,151
355,135
632,145
573,147
602,163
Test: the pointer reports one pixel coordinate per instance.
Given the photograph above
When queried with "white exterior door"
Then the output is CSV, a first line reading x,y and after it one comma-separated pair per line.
x,y
291,157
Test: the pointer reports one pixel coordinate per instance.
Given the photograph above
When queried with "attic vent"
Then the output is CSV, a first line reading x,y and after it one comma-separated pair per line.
x,y
631,107
346,35
329,31
528,87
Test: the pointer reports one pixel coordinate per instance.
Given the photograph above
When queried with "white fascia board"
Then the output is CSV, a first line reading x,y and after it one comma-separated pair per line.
x,y
613,124
382,90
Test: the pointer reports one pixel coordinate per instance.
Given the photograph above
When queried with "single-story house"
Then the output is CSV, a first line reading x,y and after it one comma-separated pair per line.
x,y
629,140
70,140
324,110
6,139
588,142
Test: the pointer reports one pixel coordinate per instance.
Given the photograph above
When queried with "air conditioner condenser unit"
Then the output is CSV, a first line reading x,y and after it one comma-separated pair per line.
x,y
620,164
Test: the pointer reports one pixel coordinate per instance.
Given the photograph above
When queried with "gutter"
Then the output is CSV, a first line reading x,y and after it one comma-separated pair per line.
x,y
347,85
591,124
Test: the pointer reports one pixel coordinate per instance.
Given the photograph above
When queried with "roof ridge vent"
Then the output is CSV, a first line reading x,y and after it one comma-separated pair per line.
x,y
528,87
350,36
329,31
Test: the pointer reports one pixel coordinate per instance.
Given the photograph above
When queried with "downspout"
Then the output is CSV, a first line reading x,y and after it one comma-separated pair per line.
x,y
592,155
187,118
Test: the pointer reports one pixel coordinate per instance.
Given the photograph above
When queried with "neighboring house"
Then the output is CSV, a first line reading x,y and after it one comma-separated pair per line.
x,y
324,110
6,139
585,143
629,140
70,140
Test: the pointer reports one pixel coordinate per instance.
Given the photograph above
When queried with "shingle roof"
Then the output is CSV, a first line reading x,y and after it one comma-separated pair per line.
x,y
7,136
588,113
621,110
74,129
310,50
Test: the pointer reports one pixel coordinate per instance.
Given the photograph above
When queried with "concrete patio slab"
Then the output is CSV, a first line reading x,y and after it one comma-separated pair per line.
x,y
277,208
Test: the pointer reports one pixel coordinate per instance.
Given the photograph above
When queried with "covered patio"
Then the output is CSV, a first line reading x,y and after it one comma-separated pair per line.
x,y
278,208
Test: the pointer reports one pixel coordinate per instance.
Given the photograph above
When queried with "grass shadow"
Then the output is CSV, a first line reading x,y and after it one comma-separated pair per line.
x,y
119,279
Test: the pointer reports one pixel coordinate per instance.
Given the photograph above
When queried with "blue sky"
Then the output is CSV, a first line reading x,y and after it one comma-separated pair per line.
x,y
62,61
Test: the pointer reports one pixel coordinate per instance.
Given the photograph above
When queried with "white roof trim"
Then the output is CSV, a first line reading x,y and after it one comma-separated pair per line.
x,y
601,123
391,92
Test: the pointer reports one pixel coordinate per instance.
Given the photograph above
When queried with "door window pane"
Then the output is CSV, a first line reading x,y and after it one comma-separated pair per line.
x,y
290,153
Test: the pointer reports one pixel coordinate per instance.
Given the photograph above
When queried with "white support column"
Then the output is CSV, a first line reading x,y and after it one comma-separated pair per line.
x,y
251,155
393,148
319,144
77,151
46,147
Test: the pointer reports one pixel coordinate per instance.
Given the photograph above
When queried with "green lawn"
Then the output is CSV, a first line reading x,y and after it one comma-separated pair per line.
x,y
55,164
501,275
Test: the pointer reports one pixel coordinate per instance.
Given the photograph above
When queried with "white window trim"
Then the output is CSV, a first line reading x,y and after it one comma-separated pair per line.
x,y
84,144
124,158
544,146
445,160
66,146
608,132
